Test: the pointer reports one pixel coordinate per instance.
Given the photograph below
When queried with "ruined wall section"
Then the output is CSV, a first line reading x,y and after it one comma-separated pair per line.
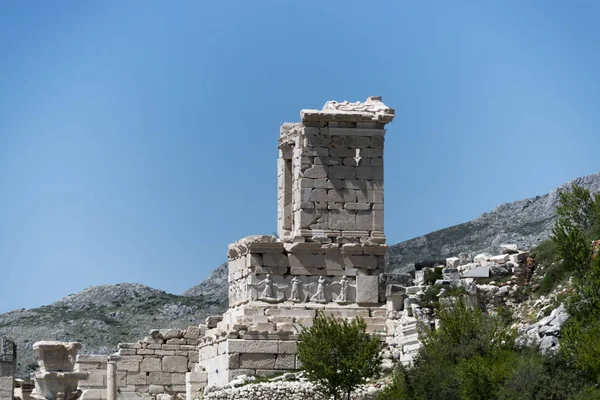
x,y
155,365
8,368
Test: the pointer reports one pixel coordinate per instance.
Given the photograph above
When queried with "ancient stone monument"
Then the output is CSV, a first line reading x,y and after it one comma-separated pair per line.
x,y
8,366
328,254
56,378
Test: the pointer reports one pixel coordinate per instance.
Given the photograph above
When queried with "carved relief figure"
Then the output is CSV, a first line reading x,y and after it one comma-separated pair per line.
x,y
268,290
295,296
343,290
319,297
344,285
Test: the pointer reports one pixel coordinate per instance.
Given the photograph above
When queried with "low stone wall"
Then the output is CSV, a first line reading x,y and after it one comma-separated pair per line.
x,y
8,365
155,365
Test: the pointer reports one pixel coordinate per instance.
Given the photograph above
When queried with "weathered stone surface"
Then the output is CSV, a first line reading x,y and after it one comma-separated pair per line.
x,y
159,378
257,361
367,289
150,364
477,272
252,346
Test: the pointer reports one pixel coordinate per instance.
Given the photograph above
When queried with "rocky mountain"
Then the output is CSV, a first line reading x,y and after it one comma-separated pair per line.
x,y
213,288
525,223
102,316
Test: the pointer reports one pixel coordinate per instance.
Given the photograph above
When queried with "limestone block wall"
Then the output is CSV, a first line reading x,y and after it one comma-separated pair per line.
x,y
261,341
8,365
330,173
157,364
261,268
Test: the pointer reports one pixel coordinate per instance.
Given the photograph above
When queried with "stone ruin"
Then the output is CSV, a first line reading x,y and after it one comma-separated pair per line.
x,y
328,254
8,368
56,378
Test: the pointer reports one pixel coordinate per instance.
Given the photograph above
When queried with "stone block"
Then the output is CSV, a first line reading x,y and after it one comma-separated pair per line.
x,y
377,220
285,361
342,172
342,220
159,378
137,378
88,394
233,361
288,347
367,289
364,220
252,346
357,206
174,364
134,396
257,361
361,261
477,272
156,389
164,352
150,364
192,332
275,260
316,172
301,260
170,333
318,195
341,196
96,378
178,379
501,259
127,365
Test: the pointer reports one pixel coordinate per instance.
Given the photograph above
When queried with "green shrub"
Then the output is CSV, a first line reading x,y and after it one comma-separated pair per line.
x,y
397,390
553,275
431,276
546,252
338,355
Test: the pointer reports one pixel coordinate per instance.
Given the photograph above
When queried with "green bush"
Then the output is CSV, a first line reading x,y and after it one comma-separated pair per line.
x,y
338,355
553,275
397,389
431,276
546,252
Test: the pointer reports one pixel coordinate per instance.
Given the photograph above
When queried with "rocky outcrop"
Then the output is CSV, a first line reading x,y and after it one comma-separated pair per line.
x,y
100,317
213,288
524,223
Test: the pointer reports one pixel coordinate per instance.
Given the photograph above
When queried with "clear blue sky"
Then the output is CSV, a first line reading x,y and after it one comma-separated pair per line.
x,y
139,138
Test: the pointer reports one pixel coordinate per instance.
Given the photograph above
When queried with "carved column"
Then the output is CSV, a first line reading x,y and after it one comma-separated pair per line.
x,y
111,380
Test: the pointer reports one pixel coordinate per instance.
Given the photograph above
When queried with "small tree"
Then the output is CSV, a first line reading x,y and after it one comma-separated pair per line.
x,y
338,355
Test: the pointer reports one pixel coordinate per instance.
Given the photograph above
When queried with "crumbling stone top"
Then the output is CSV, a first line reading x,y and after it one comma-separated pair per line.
x,y
372,110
